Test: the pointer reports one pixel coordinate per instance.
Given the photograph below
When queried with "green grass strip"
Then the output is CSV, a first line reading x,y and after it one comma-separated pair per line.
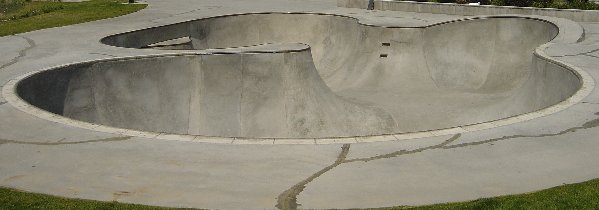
x,y
572,196
583,195
13,199
40,15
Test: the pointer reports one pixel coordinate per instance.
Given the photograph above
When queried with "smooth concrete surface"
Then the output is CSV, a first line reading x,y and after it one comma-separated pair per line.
x,y
229,95
44,152
378,79
466,9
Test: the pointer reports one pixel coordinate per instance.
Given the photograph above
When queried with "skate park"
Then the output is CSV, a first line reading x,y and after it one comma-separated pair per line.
x,y
312,104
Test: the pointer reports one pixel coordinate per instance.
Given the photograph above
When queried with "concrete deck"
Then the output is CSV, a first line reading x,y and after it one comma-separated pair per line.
x,y
524,153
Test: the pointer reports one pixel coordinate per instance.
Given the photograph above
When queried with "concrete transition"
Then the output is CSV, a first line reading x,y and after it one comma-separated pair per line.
x,y
316,104
352,80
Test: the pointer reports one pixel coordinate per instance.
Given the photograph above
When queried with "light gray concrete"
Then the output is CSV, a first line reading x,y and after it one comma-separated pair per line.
x,y
466,9
483,66
546,90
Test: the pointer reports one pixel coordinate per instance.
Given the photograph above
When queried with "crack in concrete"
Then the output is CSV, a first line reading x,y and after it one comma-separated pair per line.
x,y
581,54
2,102
22,53
586,102
577,54
288,199
590,55
586,125
405,152
105,54
7,141
592,51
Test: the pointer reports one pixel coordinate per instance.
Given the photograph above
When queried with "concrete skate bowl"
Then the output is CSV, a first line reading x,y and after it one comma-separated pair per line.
x,y
311,76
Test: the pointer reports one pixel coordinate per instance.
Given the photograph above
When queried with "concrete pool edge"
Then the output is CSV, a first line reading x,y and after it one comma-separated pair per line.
x,y
573,33
587,85
465,9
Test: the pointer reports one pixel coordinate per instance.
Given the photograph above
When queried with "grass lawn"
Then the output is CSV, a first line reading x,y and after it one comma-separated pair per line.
x,y
18,16
583,195
573,196
13,199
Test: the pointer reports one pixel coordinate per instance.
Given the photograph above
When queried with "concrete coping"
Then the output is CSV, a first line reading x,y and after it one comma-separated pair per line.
x,y
10,94
587,85
261,48
558,22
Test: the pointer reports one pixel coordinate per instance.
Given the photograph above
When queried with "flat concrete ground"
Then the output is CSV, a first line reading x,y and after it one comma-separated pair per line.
x,y
48,157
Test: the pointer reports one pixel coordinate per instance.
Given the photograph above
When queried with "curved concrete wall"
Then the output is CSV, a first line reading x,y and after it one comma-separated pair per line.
x,y
441,76
487,55
235,95
465,54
